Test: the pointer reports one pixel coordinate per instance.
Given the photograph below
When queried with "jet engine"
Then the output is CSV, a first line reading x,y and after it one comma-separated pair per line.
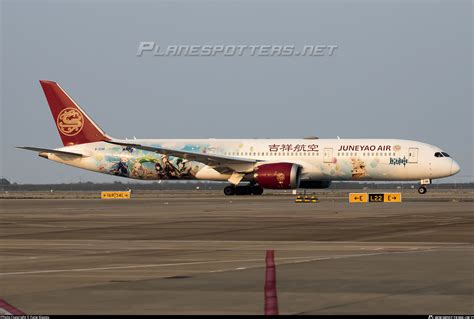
x,y
278,175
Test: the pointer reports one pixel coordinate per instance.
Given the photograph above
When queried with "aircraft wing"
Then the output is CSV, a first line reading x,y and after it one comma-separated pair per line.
x,y
221,163
45,150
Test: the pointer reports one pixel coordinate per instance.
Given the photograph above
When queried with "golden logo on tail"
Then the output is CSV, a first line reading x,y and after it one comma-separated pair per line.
x,y
70,121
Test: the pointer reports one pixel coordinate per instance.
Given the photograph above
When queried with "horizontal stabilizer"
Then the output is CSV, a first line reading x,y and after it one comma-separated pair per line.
x,y
45,150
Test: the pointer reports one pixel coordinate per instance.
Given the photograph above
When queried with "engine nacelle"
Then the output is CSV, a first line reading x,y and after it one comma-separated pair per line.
x,y
315,184
278,175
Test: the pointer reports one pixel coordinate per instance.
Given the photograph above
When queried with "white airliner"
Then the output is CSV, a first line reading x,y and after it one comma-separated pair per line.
x,y
249,165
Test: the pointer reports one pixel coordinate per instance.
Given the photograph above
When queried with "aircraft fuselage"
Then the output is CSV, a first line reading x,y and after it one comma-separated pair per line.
x,y
320,159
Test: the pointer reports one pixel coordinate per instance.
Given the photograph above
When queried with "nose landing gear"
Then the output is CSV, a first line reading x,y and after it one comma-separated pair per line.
x,y
422,189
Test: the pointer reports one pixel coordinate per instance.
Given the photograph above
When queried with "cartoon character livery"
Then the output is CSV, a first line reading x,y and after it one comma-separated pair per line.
x,y
249,165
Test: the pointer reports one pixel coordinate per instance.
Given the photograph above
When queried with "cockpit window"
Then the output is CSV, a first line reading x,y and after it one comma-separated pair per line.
x,y
445,154
438,154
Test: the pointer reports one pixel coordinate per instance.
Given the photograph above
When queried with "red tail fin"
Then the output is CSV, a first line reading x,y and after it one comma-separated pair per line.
x,y
74,126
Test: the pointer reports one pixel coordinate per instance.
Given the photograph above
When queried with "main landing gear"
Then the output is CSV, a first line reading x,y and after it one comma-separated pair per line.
x,y
422,189
243,190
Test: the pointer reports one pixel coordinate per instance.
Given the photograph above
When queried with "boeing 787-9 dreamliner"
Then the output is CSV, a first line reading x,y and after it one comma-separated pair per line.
x,y
249,165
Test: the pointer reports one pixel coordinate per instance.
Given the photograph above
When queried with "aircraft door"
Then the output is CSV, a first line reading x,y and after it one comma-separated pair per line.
x,y
327,156
413,155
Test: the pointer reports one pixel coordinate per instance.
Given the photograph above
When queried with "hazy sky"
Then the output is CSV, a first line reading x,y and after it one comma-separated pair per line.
x,y
403,69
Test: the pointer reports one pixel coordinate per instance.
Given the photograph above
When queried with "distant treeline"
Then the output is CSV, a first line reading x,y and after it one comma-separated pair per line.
x,y
190,185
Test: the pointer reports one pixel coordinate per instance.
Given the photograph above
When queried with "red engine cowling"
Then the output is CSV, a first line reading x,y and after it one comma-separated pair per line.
x,y
278,175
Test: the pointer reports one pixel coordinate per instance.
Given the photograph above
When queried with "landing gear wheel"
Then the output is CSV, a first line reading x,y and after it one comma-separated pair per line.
x,y
229,190
257,190
243,190
422,190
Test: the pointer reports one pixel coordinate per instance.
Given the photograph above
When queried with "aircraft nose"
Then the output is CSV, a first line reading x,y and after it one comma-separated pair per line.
x,y
455,168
